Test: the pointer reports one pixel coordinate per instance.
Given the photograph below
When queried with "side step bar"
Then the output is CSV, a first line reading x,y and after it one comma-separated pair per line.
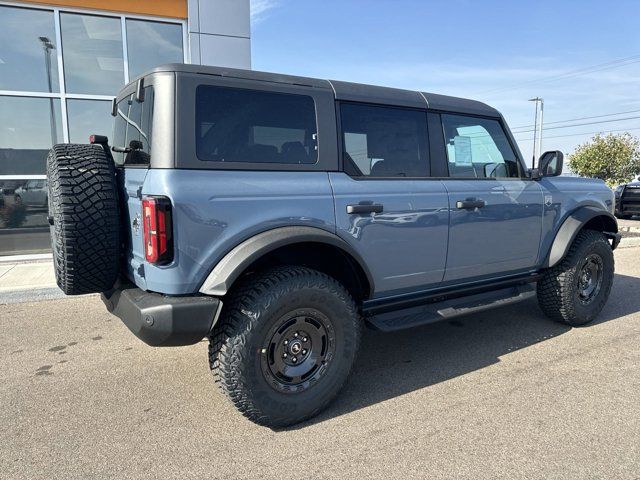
x,y
434,312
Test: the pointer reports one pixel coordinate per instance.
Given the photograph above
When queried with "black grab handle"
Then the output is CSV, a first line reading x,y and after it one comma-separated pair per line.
x,y
365,208
470,203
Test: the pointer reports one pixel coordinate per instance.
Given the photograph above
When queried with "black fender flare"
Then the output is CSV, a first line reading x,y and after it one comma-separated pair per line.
x,y
573,224
231,266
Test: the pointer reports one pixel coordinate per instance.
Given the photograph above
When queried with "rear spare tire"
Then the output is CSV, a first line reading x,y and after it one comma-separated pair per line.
x,y
84,218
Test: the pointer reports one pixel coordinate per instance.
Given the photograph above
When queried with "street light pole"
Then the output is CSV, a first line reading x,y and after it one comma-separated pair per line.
x,y
48,46
537,137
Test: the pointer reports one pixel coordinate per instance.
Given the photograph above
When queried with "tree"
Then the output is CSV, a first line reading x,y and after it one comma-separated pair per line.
x,y
612,158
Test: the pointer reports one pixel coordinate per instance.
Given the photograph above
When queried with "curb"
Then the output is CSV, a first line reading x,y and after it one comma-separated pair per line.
x,y
30,295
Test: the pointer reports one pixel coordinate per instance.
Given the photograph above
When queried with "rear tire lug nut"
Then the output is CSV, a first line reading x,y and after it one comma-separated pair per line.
x,y
295,334
304,352
294,359
284,355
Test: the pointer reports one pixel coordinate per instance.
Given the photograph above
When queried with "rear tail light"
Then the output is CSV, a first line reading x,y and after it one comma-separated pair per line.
x,y
157,229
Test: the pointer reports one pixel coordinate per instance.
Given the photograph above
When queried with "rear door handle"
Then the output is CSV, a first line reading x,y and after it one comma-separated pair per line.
x,y
470,203
365,208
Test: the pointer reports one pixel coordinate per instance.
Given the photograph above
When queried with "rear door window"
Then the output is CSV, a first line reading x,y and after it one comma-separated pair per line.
x,y
251,126
384,141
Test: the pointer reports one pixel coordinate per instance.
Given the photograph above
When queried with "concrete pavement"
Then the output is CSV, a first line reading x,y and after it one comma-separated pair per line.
x,y
502,394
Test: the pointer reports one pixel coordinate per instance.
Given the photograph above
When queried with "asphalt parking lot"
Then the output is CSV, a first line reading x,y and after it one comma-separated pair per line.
x,y
505,393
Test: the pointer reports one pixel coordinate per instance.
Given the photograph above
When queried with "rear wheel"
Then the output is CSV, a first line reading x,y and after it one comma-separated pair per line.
x,y
575,291
285,344
84,218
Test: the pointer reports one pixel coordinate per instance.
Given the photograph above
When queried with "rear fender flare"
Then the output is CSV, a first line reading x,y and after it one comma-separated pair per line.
x,y
231,266
572,225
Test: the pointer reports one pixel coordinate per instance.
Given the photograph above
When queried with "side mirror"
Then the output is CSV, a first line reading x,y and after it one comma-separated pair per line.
x,y
550,164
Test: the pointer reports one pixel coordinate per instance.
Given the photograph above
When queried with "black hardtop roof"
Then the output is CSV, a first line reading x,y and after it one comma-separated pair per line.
x,y
347,91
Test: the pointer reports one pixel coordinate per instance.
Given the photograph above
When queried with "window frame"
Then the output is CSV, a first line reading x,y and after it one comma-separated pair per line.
x,y
341,149
505,130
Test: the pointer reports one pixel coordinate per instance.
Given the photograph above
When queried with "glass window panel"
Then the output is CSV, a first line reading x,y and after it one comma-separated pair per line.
x,y
134,124
28,129
28,54
150,44
23,217
120,129
384,141
92,53
236,125
88,117
478,148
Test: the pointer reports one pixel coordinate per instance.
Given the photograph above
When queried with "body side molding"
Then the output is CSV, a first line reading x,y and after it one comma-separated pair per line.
x,y
229,268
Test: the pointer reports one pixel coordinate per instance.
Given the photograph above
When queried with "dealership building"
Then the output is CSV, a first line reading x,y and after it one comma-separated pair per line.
x,y
61,63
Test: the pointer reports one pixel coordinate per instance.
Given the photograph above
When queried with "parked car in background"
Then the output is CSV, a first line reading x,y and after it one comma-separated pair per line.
x,y
627,200
32,194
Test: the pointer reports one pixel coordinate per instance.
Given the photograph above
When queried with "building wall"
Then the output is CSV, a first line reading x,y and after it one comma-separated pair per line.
x,y
161,8
61,63
219,32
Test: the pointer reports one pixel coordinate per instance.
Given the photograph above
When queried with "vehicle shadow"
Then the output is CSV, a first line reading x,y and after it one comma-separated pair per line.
x,y
393,364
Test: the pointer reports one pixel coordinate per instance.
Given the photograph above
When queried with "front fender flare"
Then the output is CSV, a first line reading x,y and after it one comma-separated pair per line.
x,y
231,266
572,225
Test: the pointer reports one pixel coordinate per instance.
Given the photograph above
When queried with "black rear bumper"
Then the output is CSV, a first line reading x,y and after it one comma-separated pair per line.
x,y
160,320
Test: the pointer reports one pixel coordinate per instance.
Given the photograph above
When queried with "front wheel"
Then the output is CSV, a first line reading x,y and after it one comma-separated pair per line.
x,y
285,344
575,291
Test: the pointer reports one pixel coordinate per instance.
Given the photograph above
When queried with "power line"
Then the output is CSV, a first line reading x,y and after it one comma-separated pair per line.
x,y
582,124
580,134
577,119
622,62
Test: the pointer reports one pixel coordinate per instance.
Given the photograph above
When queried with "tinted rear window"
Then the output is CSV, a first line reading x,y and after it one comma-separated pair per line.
x,y
251,126
384,141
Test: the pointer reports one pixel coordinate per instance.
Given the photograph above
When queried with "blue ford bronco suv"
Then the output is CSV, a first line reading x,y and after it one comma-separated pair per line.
x,y
277,215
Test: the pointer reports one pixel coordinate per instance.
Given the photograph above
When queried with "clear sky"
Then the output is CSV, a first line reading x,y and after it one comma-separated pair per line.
x,y
497,51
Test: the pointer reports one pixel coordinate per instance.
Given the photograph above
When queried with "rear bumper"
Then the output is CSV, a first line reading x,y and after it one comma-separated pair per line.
x,y
162,321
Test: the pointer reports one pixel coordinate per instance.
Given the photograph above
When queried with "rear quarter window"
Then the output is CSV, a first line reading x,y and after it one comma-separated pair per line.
x,y
133,122
252,126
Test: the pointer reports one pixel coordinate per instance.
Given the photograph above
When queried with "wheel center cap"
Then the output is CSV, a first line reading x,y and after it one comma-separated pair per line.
x,y
295,347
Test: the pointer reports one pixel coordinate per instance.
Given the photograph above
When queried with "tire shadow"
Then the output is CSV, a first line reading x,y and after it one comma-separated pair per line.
x,y
393,364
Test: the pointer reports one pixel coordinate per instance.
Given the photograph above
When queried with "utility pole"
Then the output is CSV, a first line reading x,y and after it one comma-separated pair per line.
x,y
537,136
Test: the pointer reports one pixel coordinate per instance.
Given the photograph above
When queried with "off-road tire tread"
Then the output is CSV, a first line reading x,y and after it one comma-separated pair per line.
x,y
556,294
227,343
84,205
